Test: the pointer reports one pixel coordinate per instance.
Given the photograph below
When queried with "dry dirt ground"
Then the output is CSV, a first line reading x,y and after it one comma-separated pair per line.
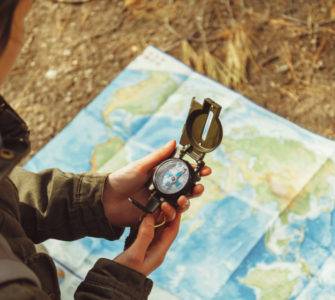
x,y
280,54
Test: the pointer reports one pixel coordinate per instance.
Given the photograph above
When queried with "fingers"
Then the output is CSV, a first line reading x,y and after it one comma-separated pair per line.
x,y
183,204
169,233
163,241
144,237
205,171
169,211
153,159
197,190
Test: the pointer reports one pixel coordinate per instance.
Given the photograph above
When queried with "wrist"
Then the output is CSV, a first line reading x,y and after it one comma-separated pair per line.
x,y
117,209
106,198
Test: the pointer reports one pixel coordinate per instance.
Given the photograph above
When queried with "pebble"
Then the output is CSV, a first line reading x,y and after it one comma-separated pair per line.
x,y
51,74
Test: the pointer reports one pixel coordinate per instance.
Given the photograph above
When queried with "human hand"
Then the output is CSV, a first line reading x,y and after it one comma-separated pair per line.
x,y
130,181
148,250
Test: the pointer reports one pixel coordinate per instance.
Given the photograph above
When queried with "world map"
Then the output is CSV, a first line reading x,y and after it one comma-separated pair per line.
x,y
263,228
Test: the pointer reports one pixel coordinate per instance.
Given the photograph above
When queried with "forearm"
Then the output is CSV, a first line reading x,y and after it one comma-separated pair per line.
x,y
61,205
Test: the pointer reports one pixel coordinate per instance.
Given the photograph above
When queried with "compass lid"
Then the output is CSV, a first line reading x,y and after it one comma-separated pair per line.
x,y
203,129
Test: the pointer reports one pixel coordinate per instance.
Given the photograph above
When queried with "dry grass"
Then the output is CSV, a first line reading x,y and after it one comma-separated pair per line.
x,y
236,53
228,64
279,54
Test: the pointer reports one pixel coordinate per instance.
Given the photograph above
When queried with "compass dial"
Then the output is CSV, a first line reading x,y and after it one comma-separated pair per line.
x,y
172,176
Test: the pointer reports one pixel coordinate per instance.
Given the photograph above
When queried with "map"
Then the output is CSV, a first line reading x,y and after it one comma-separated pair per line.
x,y
263,228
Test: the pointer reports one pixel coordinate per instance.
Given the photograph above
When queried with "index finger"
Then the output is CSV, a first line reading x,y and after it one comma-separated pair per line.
x,y
165,237
144,237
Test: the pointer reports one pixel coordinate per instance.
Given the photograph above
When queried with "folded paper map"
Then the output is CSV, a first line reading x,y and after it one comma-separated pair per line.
x,y
264,228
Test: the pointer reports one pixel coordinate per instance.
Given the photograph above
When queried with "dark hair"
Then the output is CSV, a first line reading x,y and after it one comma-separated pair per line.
x,y
7,9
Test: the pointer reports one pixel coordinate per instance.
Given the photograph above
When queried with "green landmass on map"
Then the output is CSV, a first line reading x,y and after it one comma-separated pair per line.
x,y
103,152
272,282
272,166
143,98
317,188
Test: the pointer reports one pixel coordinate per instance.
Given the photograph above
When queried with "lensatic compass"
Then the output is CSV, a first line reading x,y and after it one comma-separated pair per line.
x,y
176,176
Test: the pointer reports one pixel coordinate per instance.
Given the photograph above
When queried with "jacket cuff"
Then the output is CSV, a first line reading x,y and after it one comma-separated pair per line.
x,y
87,213
114,279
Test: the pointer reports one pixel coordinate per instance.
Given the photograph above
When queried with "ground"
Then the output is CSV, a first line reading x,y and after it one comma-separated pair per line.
x,y
280,54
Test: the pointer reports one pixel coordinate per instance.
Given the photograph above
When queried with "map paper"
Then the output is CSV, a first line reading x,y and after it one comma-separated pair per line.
x,y
264,227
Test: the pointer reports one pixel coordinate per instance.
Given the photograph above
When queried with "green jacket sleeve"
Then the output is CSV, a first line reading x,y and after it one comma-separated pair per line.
x,y
107,280
64,206
110,280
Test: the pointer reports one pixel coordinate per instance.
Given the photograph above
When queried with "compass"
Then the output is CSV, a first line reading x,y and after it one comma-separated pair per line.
x,y
173,177
176,176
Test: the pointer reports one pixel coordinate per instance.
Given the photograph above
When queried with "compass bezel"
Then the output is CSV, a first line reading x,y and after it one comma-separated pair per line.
x,y
187,187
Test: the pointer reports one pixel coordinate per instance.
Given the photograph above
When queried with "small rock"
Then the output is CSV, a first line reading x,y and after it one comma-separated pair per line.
x,y
67,52
51,74
134,48
88,73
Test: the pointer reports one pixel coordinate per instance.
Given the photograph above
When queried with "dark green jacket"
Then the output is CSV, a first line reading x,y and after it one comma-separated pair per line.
x,y
53,204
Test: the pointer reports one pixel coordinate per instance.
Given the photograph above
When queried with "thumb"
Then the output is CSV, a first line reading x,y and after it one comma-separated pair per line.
x,y
144,237
153,159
